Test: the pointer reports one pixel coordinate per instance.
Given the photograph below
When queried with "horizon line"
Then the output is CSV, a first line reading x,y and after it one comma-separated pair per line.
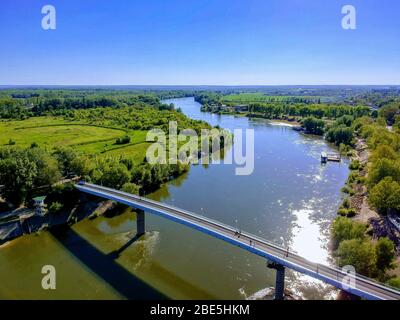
x,y
198,85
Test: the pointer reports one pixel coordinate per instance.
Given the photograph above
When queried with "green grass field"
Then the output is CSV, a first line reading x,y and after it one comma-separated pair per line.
x,y
258,97
52,131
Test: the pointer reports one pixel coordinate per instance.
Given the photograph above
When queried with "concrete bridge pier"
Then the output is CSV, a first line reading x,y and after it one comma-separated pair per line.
x,y
140,223
280,280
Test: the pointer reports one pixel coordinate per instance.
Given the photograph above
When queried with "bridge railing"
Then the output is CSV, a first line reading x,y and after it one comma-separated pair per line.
x,y
312,266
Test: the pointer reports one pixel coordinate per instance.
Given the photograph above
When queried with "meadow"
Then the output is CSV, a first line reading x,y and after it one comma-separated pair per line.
x,y
261,97
50,132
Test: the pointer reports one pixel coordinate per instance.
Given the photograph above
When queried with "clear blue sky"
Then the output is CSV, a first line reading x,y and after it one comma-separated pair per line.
x,y
218,42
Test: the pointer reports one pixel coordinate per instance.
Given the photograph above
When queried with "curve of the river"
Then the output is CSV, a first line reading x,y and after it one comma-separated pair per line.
x,y
290,199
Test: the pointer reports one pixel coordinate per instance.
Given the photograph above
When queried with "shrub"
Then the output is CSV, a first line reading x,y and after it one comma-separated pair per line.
x,y
342,212
354,165
385,254
394,282
360,254
345,229
346,189
55,207
346,203
351,212
123,140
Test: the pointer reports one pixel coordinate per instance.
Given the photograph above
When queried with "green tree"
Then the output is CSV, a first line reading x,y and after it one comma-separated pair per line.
x,y
313,125
17,174
358,253
385,254
65,156
381,169
384,151
81,166
116,176
346,229
48,171
340,135
385,195
394,282
388,112
131,188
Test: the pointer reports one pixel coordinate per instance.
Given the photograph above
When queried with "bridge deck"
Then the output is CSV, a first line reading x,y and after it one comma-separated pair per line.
x,y
363,287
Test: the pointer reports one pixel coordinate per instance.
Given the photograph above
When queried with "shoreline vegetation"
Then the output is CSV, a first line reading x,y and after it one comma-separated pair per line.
x,y
48,136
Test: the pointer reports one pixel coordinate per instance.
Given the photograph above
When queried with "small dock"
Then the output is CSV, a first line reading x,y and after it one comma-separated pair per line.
x,y
334,157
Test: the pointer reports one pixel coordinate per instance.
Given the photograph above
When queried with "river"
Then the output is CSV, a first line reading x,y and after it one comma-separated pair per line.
x,y
290,199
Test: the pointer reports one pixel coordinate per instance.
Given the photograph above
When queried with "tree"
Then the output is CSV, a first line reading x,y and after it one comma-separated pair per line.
x,y
116,176
47,167
381,169
81,166
340,134
388,112
358,253
385,195
17,174
384,151
385,254
131,188
65,156
313,125
346,229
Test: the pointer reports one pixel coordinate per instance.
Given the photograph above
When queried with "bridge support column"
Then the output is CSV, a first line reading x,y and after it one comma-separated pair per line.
x,y
280,280
140,223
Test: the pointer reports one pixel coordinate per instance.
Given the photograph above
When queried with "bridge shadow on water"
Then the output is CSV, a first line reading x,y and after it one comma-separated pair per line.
x,y
124,282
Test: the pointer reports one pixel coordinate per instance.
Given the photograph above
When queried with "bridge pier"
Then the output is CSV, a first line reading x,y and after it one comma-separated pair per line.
x,y
140,223
279,281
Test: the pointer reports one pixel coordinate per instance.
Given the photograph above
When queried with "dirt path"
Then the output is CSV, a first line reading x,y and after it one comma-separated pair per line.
x,y
359,200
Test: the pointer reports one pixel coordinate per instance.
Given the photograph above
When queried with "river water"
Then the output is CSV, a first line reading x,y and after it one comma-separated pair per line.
x,y
290,199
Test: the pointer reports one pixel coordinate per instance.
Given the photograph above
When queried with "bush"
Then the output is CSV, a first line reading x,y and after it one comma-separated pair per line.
x,y
351,213
131,188
123,140
346,189
346,203
385,254
55,207
360,254
355,165
345,229
394,282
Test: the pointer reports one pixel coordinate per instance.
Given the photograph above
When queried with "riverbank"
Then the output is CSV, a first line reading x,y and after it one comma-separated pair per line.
x,y
377,226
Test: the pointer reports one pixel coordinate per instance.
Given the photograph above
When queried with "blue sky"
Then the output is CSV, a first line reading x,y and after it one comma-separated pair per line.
x,y
199,42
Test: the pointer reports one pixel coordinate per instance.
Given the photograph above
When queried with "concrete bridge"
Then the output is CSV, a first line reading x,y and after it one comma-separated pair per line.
x,y
277,257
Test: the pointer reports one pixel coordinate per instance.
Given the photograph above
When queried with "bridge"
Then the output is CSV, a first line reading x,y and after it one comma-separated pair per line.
x,y
278,258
